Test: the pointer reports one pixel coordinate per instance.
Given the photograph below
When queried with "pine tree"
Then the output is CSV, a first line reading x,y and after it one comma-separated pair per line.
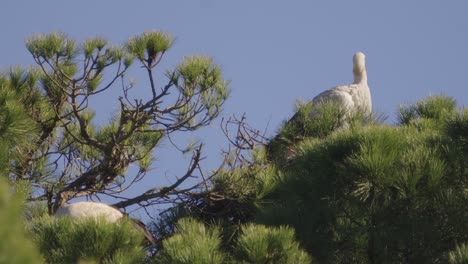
x,y
15,247
365,193
194,242
67,240
372,193
51,141
72,156
15,133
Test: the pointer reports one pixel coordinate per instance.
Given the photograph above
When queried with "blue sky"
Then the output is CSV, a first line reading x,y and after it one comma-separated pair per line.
x,y
274,52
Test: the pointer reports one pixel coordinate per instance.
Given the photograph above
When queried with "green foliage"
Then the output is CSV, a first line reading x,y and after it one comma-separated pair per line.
x,y
397,161
312,120
192,243
55,100
256,180
459,255
52,46
434,107
379,194
456,128
16,133
90,45
14,121
234,199
14,245
260,244
320,119
18,100
354,190
67,240
370,193
149,44
50,140
198,76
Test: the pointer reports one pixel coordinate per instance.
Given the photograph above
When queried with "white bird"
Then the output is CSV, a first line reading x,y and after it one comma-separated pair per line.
x,y
82,210
95,210
354,98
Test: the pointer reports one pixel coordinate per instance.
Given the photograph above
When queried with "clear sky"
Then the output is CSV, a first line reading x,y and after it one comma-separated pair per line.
x,y
274,52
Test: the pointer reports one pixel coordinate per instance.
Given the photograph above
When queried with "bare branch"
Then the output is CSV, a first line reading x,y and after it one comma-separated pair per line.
x,y
161,192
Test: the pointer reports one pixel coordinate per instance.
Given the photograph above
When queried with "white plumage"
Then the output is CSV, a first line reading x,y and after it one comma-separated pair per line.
x,y
82,210
87,210
355,97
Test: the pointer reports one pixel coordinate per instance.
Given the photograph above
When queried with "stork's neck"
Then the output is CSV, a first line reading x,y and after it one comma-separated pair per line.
x,y
359,68
360,76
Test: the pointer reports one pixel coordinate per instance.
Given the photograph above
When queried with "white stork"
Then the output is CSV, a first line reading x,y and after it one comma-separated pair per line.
x,y
355,97
86,210
81,210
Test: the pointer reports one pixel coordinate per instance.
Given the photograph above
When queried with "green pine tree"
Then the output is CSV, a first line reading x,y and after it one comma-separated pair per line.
x,y
72,156
364,192
371,193
67,240
15,245
51,141
15,134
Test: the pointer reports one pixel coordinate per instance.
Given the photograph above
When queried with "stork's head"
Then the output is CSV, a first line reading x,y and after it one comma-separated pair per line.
x,y
359,67
359,62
